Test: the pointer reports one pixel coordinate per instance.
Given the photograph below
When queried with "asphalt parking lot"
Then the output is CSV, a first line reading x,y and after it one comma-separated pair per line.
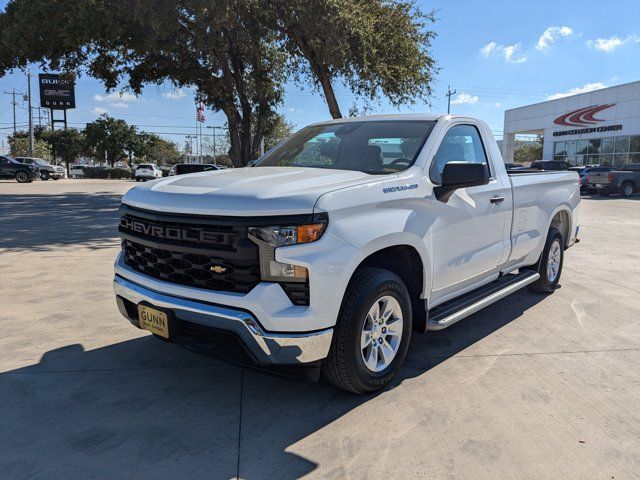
x,y
533,387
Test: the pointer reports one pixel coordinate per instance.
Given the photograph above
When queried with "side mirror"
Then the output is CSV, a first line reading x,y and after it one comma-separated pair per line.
x,y
460,175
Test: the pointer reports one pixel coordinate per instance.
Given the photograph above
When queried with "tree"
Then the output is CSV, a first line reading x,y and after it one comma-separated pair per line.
x,y
277,130
375,47
68,144
238,54
528,151
160,151
19,145
109,138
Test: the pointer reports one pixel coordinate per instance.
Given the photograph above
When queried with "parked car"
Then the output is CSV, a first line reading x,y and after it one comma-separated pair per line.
x,y
512,166
22,172
328,255
550,165
183,168
625,181
45,169
76,171
582,172
147,171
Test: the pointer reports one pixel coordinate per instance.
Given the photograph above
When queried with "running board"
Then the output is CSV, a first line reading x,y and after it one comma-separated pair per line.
x,y
453,311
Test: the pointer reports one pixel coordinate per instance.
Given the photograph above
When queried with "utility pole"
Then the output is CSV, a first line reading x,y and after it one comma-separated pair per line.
x,y
14,103
449,93
30,115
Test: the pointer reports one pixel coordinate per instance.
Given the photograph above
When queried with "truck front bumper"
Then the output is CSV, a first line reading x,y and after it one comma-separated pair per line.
x,y
211,327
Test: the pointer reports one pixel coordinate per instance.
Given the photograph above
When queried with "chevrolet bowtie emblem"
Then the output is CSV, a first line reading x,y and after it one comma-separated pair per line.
x,y
218,269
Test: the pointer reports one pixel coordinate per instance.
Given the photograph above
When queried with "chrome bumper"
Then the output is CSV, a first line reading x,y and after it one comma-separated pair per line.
x,y
267,348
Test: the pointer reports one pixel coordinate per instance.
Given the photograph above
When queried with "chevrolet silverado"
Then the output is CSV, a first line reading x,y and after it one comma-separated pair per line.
x,y
340,243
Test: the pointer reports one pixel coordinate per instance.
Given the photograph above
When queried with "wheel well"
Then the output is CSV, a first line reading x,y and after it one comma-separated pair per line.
x,y
562,222
404,261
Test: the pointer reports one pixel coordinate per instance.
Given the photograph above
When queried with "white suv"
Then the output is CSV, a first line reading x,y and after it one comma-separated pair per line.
x,y
147,171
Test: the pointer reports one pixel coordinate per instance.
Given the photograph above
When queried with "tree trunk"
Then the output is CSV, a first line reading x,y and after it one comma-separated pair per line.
x,y
329,94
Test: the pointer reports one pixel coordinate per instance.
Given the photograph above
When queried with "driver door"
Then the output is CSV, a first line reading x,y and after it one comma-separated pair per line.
x,y
471,234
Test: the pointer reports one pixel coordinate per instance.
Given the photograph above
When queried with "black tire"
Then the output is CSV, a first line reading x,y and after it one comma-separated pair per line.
x,y
55,178
345,367
22,176
627,189
44,176
545,284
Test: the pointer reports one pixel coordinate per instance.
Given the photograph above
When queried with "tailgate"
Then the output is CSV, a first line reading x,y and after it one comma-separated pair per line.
x,y
599,178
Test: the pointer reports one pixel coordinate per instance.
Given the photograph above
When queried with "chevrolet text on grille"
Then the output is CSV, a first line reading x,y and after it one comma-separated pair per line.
x,y
169,233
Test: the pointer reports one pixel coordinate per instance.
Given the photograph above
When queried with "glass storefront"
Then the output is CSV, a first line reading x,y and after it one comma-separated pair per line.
x,y
614,151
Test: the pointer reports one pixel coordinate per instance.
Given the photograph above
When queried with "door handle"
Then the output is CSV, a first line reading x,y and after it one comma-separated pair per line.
x,y
496,199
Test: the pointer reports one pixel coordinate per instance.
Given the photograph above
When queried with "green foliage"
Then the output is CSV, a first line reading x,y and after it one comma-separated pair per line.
x,y
109,138
277,130
19,144
238,54
526,152
375,47
160,151
67,144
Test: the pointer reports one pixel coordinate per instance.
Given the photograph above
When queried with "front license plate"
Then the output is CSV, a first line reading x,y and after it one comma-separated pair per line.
x,y
598,185
154,320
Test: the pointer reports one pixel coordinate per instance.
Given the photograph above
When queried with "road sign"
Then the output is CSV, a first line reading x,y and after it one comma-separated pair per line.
x,y
56,92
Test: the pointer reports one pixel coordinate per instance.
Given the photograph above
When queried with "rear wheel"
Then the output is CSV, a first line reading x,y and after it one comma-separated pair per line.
x,y
550,265
372,333
627,189
22,176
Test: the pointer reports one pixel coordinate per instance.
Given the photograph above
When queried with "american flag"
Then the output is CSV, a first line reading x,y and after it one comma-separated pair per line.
x,y
200,113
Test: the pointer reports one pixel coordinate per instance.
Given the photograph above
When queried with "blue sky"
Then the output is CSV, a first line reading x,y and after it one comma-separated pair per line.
x,y
497,55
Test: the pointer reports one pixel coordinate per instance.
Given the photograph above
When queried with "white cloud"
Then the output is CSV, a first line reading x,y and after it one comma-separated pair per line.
x,y
497,104
294,110
175,95
550,35
118,97
587,87
488,49
465,98
99,110
119,105
611,43
508,52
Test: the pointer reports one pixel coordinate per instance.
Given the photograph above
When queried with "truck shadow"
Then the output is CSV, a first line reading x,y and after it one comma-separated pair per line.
x,y
146,409
33,222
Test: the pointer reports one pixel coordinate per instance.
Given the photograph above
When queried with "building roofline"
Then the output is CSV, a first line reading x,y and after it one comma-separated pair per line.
x,y
571,96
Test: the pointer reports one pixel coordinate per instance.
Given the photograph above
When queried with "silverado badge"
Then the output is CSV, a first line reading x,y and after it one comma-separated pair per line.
x,y
218,269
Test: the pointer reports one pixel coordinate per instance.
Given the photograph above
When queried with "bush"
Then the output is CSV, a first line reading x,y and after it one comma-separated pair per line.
x,y
106,172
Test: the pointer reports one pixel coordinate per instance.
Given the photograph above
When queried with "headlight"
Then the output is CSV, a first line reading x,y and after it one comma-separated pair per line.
x,y
279,236
270,237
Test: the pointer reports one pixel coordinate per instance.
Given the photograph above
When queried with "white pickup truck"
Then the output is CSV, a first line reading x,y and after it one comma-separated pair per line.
x,y
339,243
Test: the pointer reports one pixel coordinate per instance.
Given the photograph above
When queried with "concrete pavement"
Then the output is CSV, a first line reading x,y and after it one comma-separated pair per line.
x,y
533,387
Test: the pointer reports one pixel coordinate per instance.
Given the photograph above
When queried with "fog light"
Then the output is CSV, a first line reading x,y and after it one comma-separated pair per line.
x,y
286,271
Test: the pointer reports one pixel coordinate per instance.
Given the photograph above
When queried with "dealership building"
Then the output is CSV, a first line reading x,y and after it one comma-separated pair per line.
x,y
597,127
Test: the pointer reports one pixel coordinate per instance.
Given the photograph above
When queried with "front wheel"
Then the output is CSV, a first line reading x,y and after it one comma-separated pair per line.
x,y
44,176
22,177
372,334
550,265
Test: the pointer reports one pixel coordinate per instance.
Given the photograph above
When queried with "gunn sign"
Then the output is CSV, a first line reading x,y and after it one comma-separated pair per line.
x,y
56,92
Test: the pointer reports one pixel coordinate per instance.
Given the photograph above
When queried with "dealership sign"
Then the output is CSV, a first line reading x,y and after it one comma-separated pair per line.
x,y
584,117
56,92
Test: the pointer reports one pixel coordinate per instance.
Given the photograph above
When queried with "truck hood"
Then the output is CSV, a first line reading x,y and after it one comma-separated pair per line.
x,y
253,191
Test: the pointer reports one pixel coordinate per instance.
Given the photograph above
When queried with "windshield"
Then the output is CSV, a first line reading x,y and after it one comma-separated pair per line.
x,y
41,162
375,147
149,167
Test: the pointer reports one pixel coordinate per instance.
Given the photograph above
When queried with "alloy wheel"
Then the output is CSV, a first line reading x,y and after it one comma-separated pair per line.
x,y
381,333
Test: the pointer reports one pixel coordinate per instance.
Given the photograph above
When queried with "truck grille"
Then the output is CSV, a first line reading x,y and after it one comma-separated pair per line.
x,y
212,253
187,250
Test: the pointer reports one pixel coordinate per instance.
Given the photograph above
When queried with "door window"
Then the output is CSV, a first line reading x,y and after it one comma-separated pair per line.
x,y
461,143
